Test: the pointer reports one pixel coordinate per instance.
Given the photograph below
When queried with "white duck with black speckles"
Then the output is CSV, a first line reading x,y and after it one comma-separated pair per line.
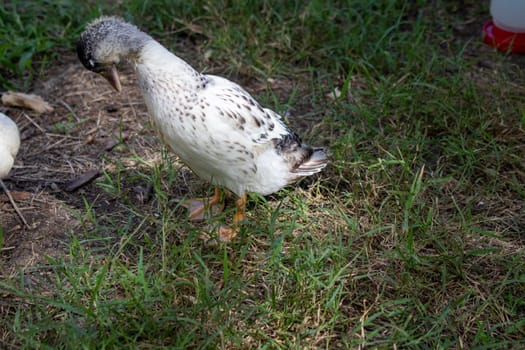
x,y
213,125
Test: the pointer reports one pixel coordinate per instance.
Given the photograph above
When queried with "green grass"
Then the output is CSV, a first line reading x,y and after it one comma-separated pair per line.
x,y
412,238
33,34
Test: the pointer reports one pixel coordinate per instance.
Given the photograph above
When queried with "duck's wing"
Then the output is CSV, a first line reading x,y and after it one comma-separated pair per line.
x,y
238,114
233,115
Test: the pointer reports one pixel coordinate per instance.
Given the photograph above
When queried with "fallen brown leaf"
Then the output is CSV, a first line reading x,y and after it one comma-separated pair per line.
x,y
81,180
17,196
31,101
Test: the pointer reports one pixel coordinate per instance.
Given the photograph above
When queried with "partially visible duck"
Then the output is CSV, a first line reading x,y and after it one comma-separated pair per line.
x,y
215,127
9,144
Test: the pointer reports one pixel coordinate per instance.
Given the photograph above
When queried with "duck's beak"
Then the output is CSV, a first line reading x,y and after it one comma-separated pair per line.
x,y
111,75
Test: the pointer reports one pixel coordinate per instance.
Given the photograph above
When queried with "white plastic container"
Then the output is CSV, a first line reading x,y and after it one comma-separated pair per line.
x,y
509,15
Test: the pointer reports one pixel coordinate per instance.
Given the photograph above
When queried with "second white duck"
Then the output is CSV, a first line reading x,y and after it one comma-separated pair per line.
x,y
9,144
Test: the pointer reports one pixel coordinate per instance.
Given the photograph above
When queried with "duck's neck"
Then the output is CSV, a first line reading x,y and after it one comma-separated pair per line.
x,y
124,42
156,59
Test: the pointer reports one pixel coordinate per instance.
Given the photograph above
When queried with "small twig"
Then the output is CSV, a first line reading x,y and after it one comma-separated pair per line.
x,y
63,136
132,107
45,169
68,107
34,123
13,203
40,179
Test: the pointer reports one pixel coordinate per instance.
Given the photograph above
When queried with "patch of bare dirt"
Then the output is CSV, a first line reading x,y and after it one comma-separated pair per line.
x,y
49,222
62,152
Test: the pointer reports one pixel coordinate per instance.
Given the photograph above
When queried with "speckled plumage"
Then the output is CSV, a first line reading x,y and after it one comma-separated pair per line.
x,y
213,125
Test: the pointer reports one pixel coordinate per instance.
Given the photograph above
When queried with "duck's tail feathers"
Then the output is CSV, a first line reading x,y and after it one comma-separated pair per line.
x,y
317,161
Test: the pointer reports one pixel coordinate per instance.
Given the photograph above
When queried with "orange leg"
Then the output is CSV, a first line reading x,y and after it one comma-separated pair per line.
x,y
199,206
228,233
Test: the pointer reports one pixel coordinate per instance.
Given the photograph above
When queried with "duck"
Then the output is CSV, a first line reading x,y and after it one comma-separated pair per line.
x,y
9,144
212,124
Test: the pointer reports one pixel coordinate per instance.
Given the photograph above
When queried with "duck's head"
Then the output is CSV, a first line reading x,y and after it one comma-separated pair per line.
x,y
105,42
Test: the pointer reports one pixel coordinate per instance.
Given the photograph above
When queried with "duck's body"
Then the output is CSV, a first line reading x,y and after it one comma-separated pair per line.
x,y
211,123
215,126
9,144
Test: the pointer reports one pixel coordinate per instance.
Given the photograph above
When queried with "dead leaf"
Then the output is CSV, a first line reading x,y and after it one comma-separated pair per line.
x,y
334,95
129,163
31,101
81,180
17,196
115,140
109,144
89,140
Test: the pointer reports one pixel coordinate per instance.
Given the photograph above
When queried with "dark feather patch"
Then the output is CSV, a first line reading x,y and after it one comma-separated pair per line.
x,y
304,160
291,148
